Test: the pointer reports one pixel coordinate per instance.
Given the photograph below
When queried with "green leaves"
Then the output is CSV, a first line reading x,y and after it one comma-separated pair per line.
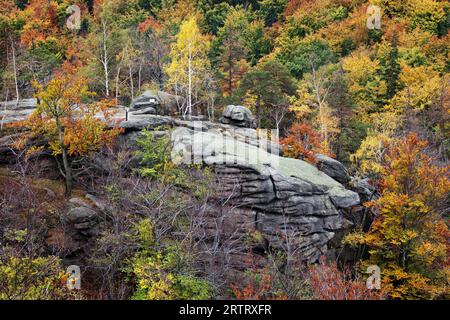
x,y
300,56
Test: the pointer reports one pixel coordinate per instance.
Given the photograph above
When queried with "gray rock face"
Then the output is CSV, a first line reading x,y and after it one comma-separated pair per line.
x,y
144,111
97,202
160,102
12,111
77,202
238,116
291,198
364,188
332,168
80,215
137,123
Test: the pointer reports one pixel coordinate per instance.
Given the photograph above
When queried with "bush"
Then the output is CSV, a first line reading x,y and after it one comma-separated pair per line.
x,y
32,279
329,283
163,273
155,154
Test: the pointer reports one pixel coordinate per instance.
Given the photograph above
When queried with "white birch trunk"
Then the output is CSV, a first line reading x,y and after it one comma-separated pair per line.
x,y
15,70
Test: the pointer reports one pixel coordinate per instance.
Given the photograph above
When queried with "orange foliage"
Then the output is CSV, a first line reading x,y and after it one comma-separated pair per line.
x,y
353,28
149,24
329,283
292,6
408,239
303,142
40,21
71,126
260,287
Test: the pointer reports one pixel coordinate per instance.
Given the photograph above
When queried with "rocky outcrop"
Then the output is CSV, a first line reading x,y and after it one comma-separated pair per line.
x,y
12,111
279,197
289,197
364,188
141,122
155,102
238,116
332,168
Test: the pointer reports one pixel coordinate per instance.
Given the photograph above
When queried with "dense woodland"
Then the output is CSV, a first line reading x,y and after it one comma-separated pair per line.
x,y
377,100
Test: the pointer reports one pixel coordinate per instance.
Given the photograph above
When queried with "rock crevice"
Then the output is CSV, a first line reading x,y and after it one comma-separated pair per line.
x,y
290,197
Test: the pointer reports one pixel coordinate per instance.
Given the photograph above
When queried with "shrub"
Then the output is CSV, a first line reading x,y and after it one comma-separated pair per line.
x,y
162,273
32,279
260,287
155,159
329,283
303,142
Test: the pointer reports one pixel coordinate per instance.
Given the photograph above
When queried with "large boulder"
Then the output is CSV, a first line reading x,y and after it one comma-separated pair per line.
x,y
159,102
238,116
289,197
82,216
78,215
332,168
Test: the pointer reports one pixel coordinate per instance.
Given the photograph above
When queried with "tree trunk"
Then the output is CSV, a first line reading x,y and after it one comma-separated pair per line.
x,y
139,77
4,108
68,172
15,70
66,164
230,75
130,71
105,60
117,82
189,106
258,111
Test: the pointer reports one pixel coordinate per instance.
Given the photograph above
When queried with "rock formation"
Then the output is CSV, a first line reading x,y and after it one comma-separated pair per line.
x,y
287,197
333,168
155,102
238,116
12,111
279,197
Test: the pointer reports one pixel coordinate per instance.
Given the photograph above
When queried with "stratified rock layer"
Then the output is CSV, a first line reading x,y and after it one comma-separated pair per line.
x,y
290,198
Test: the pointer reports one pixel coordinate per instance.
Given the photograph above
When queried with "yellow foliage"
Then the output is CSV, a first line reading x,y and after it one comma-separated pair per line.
x,y
370,153
420,85
364,81
189,61
408,238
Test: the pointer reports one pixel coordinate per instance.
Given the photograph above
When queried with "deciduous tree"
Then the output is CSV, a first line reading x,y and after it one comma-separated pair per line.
x,y
68,123
408,238
189,63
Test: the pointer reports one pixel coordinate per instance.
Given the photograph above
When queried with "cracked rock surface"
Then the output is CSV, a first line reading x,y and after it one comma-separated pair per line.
x,y
289,197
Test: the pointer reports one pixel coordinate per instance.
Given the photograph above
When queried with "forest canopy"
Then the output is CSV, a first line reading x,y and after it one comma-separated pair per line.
x,y
375,99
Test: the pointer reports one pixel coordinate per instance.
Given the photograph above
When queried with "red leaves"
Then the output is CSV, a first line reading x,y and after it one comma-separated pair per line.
x,y
149,24
254,290
40,21
329,283
260,287
303,142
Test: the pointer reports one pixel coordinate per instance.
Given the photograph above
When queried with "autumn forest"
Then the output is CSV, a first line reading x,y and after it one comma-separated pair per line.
x,y
100,98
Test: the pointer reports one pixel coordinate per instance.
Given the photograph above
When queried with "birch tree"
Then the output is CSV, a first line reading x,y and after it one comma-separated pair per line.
x,y
313,95
189,64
